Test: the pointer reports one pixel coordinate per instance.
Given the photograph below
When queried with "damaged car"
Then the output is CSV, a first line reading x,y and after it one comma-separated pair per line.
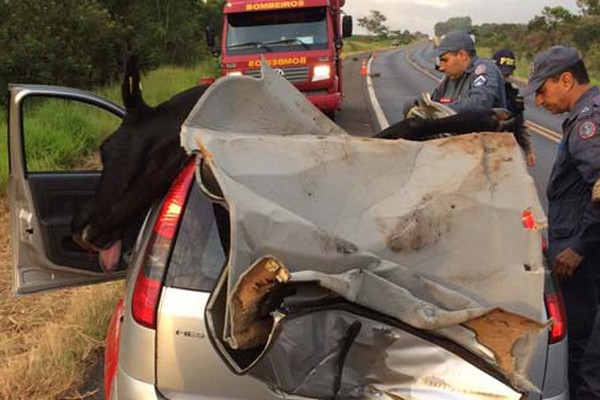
x,y
291,260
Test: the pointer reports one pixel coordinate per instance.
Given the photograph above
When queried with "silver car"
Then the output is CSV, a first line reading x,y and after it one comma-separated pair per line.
x,y
157,346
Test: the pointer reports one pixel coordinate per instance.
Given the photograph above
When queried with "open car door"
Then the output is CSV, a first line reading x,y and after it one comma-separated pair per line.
x,y
44,195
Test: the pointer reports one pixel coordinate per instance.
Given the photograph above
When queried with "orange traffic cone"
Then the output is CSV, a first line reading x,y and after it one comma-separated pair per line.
x,y
363,68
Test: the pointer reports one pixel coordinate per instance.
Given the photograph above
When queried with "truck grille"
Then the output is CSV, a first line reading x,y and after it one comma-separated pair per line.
x,y
292,74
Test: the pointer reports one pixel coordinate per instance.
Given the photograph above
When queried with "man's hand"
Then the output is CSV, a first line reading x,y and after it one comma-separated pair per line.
x,y
565,263
596,192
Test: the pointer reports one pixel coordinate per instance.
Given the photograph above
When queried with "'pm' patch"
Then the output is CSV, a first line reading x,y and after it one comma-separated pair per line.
x,y
480,69
587,130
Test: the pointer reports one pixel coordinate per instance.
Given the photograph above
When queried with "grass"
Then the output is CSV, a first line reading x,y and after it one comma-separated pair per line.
x,y
48,341
359,45
77,130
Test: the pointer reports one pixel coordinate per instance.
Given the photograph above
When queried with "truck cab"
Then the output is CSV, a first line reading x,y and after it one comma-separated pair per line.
x,y
300,39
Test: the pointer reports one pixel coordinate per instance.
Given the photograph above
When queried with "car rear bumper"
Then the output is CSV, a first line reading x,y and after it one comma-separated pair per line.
x,y
126,387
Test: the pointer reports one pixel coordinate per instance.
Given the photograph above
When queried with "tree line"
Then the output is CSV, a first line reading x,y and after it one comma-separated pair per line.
x,y
555,25
84,43
376,23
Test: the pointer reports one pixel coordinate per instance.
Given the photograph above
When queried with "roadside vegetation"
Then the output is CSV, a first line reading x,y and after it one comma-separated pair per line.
x,y
359,44
554,25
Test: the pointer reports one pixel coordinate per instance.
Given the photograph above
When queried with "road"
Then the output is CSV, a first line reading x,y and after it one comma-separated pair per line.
x,y
403,74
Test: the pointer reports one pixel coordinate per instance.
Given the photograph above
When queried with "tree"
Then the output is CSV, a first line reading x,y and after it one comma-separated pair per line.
x,y
589,7
375,23
453,24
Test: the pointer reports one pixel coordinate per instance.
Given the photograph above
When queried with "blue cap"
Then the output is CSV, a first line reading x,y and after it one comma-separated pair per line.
x,y
505,60
550,62
455,41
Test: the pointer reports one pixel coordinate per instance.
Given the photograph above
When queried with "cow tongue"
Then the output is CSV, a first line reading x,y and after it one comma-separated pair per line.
x,y
109,257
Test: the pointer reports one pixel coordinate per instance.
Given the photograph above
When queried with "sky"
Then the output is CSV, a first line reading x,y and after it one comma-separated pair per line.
x,y
421,15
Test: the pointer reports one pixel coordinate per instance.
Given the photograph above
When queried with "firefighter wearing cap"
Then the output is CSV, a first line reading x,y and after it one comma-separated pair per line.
x,y
560,82
506,62
471,83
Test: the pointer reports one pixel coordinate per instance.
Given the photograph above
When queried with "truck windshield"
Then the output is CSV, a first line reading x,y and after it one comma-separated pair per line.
x,y
277,31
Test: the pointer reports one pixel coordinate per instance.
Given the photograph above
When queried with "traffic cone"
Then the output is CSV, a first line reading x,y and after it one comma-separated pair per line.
x,y
363,68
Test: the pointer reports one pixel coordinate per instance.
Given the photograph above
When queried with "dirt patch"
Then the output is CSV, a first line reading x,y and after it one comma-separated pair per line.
x,y
424,227
47,341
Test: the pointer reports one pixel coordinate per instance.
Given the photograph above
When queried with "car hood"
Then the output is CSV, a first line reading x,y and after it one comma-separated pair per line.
x,y
387,267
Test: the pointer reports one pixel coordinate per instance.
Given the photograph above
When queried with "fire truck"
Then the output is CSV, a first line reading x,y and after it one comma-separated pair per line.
x,y
300,39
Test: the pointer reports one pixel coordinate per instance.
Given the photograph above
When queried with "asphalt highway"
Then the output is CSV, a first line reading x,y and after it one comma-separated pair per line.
x,y
398,76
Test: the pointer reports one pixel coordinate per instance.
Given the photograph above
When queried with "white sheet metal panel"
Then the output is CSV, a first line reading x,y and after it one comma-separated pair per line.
x,y
429,233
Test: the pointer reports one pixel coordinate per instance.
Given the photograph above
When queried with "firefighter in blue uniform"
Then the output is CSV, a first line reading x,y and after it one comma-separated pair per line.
x,y
560,82
472,87
471,82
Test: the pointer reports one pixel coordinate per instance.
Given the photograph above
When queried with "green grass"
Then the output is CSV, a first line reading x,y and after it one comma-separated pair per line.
x,y
60,135
359,45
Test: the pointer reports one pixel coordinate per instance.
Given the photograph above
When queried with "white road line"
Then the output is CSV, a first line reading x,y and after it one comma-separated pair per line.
x,y
381,119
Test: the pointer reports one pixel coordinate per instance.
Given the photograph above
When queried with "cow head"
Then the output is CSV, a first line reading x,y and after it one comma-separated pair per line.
x,y
140,160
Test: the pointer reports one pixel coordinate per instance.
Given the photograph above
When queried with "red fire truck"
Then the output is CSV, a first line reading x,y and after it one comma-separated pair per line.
x,y
300,39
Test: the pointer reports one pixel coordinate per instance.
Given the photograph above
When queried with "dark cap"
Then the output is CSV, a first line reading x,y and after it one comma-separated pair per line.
x,y
549,63
505,60
455,41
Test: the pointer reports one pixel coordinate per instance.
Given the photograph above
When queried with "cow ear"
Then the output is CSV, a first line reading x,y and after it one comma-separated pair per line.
x,y
131,88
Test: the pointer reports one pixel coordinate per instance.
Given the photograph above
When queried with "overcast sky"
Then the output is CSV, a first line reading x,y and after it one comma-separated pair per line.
x,y
421,15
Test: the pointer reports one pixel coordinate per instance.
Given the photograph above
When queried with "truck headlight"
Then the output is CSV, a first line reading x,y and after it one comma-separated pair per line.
x,y
321,73
234,73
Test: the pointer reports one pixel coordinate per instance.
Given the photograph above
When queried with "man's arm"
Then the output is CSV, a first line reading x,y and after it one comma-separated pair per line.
x,y
585,150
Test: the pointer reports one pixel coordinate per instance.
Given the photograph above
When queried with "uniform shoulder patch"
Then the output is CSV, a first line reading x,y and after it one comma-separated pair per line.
x,y
587,130
480,69
479,81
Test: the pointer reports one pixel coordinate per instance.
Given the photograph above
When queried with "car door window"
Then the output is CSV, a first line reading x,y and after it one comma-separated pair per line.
x,y
54,139
64,135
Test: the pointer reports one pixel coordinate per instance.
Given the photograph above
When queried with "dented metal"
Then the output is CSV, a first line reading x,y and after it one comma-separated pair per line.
x,y
428,238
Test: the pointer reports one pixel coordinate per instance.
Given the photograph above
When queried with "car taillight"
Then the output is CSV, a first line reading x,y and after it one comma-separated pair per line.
x,y
148,285
556,310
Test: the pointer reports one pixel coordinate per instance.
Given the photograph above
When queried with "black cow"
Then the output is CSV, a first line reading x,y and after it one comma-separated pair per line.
x,y
419,129
143,156
140,160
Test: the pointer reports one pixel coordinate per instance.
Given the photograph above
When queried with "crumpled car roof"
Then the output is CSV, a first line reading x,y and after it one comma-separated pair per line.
x,y
428,234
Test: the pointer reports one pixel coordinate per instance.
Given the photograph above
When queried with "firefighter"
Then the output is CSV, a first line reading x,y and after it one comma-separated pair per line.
x,y
561,84
506,62
471,82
